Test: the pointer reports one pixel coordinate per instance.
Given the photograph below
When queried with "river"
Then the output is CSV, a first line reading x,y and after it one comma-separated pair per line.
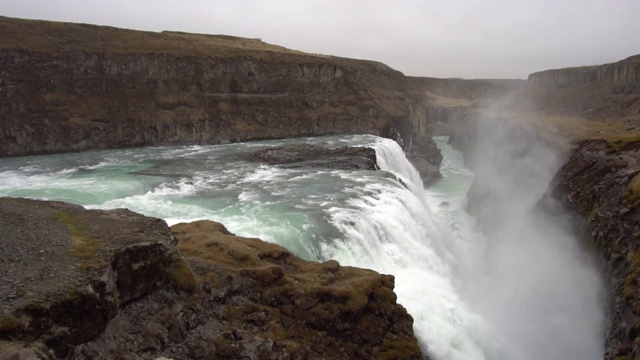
x,y
361,218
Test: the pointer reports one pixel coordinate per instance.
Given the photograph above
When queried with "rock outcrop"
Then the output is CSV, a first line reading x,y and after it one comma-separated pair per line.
x,y
89,284
343,158
601,185
71,87
623,72
594,92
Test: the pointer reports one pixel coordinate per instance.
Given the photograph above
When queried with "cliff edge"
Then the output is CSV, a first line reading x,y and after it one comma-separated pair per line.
x,y
90,284
608,91
72,87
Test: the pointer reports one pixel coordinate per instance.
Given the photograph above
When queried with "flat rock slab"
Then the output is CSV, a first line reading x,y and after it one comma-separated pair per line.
x,y
66,270
296,156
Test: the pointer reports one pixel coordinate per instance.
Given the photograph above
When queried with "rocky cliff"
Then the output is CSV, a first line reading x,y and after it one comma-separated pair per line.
x,y
593,92
624,72
70,87
597,183
88,284
601,185
591,118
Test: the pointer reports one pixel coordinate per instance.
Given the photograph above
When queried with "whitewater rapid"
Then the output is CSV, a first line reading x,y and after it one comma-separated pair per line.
x,y
360,218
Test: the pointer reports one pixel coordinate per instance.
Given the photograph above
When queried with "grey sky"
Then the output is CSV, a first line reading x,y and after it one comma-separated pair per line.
x,y
455,38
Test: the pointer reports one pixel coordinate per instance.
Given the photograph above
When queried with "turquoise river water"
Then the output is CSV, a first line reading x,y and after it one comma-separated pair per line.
x,y
360,218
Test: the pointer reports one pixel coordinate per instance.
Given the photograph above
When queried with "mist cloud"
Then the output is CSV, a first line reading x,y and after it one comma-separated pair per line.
x,y
537,285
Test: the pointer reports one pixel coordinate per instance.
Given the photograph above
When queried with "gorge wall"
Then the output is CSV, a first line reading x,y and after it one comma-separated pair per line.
x,y
623,72
601,186
594,114
592,92
71,87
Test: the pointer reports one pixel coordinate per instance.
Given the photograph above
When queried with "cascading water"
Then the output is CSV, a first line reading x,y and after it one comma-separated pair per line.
x,y
382,220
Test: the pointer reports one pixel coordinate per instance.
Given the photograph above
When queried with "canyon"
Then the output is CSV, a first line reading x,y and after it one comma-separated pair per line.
x,y
73,87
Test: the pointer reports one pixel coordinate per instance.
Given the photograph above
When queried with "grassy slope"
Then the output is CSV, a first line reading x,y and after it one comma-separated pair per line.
x,y
49,36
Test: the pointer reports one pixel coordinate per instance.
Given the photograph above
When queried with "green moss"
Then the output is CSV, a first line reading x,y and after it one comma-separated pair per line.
x,y
399,348
630,287
631,196
181,275
83,245
625,357
8,322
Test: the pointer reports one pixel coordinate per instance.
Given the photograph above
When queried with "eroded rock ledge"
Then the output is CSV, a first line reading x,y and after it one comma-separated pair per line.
x,y
344,158
95,284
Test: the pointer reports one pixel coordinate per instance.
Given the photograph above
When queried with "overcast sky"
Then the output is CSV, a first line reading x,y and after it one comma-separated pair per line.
x,y
441,38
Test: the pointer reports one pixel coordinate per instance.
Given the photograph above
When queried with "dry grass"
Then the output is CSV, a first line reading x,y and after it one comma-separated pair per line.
x,y
57,36
632,195
182,276
8,322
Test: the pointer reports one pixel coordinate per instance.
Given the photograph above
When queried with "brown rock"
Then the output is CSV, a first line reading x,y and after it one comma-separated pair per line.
x,y
598,184
111,284
345,158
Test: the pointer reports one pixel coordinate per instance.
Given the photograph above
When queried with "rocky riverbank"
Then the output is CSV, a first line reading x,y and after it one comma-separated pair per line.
x,y
115,284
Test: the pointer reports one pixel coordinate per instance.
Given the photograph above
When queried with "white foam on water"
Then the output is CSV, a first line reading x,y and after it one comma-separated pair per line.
x,y
389,228
364,218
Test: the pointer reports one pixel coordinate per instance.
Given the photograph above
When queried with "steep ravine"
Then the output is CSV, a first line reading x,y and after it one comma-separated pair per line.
x,y
597,186
600,185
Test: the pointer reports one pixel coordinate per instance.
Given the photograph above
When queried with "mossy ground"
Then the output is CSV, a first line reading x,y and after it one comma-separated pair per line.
x,y
181,275
83,245
8,322
631,196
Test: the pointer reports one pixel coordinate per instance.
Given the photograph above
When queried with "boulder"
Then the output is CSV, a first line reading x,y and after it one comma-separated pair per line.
x,y
343,158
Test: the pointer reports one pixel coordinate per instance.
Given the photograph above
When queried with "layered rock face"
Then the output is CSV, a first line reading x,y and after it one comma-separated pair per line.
x,y
69,87
601,185
624,72
87,284
593,92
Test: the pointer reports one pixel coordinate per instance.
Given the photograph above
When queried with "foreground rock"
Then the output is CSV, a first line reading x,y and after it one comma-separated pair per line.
x,y
343,158
88,284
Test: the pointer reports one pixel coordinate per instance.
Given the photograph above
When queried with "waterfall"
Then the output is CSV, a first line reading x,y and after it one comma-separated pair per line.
x,y
382,220
390,157
390,229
